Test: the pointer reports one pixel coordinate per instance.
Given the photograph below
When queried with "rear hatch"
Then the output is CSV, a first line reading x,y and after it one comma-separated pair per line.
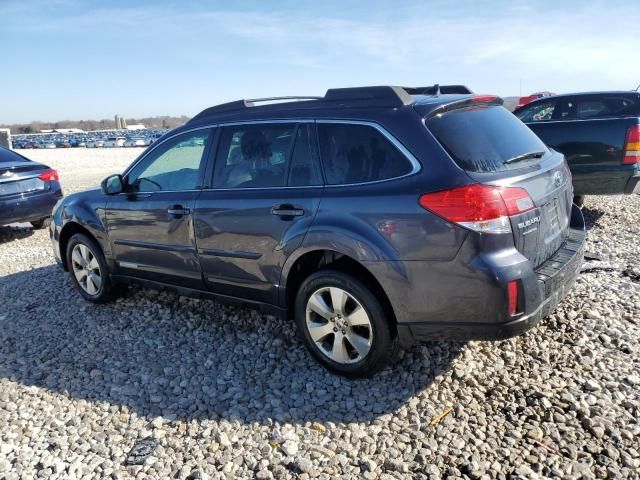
x,y
494,148
19,175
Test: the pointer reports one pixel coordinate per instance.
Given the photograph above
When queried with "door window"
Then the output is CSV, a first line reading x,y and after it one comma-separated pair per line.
x,y
173,166
254,156
354,153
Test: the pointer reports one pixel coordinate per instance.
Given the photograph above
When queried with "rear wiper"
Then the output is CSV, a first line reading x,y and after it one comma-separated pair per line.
x,y
524,156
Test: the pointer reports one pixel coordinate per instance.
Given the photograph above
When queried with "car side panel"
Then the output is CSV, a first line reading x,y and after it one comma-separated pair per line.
x,y
594,150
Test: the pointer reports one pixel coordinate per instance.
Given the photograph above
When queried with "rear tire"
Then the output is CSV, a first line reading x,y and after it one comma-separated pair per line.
x,y
353,337
42,223
88,269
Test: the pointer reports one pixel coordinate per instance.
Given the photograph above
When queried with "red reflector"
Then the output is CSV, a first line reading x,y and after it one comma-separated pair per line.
x,y
483,98
512,289
49,176
477,202
632,146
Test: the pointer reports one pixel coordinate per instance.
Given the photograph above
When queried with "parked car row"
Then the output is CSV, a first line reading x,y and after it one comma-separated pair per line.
x,y
115,138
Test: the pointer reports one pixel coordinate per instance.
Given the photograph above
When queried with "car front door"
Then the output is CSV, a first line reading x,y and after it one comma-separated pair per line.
x,y
265,192
151,222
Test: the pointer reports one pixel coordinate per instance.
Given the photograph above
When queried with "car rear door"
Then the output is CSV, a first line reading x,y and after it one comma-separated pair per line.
x,y
264,194
151,222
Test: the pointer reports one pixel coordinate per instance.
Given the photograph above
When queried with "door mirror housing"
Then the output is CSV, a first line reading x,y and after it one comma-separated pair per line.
x,y
112,185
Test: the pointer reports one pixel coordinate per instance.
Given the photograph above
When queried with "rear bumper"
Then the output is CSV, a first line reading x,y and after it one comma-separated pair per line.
x,y
28,208
633,185
541,290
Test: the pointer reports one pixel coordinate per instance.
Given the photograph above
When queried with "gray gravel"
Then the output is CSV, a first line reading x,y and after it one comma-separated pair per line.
x,y
161,386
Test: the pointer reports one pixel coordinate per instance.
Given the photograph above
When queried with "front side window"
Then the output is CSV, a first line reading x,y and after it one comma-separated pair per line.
x,y
359,153
254,156
173,166
540,112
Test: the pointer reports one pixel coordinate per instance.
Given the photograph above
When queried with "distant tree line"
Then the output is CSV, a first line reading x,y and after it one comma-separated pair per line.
x,y
149,122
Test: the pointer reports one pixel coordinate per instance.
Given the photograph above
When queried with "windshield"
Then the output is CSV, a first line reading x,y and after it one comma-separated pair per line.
x,y
486,139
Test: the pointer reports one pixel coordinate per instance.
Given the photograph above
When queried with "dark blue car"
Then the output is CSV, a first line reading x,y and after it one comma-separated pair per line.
x,y
372,218
28,190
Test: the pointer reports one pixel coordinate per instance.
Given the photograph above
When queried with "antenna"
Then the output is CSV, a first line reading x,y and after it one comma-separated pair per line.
x,y
637,88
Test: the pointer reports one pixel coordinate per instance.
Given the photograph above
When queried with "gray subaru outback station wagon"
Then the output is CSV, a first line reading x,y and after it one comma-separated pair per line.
x,y
374,217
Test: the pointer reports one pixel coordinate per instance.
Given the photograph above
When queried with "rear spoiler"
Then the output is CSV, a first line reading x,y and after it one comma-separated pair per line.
x,y
473,101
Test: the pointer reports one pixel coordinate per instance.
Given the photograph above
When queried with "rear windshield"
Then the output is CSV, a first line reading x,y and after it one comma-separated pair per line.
x,y
484,139
7,156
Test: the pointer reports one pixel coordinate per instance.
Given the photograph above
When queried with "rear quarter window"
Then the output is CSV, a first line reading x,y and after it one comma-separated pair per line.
x,y
353,153
482,139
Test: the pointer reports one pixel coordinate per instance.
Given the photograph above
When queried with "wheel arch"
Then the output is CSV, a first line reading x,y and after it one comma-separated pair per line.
x,y
68,231
313,260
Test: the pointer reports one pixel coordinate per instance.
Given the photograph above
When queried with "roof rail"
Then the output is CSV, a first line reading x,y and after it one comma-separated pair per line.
x,y
275,99
377,96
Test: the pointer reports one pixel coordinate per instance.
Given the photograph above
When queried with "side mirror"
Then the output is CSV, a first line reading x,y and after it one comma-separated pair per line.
x,y
112,185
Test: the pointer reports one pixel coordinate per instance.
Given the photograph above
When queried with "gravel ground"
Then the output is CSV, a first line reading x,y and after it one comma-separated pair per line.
x,y
160,386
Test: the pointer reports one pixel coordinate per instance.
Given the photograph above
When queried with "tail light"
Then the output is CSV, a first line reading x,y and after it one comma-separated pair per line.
x,y
512,293
632,146
482,208
49,176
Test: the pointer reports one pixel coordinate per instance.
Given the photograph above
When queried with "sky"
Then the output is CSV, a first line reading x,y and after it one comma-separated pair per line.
x,y
86,59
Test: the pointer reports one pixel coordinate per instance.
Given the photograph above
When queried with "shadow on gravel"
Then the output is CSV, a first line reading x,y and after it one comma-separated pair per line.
x,y
9,234
591,216
164,355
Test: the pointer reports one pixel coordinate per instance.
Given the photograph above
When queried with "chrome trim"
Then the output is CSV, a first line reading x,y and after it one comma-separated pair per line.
x,y
415,163
128,265
259,122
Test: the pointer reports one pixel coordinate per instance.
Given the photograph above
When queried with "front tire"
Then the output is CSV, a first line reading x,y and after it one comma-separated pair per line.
x,y
88,269
343,324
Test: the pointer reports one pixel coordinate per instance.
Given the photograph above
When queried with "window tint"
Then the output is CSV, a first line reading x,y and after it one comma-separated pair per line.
x,y
174,165
7,156
482,139
253,156
305,169
358,153
537,113
604,107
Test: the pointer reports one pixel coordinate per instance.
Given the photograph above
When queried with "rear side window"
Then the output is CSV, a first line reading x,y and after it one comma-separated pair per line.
x,y
484,139
603,107
359,153
7,156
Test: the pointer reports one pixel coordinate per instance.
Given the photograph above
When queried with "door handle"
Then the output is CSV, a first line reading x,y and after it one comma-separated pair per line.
x,y
178,211
287,211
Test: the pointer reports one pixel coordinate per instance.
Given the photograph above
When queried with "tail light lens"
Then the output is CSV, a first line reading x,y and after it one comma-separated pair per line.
x,y
482,208
49,176
632,146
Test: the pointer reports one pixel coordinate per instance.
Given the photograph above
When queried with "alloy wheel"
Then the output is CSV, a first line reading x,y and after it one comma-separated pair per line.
x,y
339,325
86,269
